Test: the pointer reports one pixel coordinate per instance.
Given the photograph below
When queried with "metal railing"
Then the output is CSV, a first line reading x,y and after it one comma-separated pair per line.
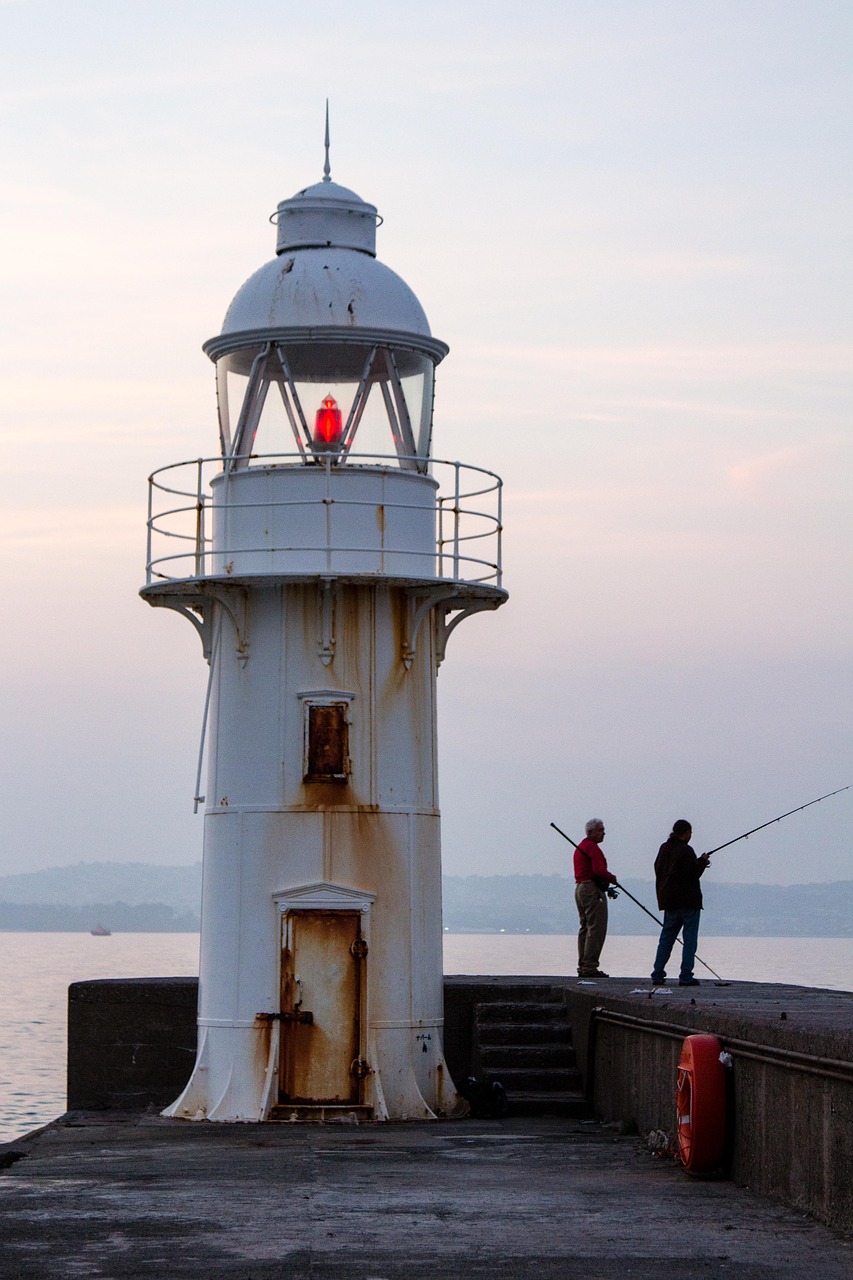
x,y
182,506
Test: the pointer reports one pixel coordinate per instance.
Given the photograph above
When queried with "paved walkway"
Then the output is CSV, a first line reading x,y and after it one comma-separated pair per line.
x,y
136,1197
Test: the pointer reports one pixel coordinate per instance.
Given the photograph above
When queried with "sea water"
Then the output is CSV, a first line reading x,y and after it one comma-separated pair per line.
x,y
37,968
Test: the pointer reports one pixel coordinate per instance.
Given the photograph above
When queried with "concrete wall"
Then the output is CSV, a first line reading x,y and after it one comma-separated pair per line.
x,y
131,1042
791,1082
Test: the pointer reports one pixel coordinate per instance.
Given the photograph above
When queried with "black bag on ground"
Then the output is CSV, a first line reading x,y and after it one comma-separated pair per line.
x,y
486,1098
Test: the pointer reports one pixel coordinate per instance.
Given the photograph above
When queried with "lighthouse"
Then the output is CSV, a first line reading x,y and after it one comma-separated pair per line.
x,y
324,557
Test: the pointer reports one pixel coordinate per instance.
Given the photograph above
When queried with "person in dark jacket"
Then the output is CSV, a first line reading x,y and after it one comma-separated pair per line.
x,y
677,873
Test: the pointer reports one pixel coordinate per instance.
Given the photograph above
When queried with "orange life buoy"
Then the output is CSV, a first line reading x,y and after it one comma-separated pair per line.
x,y
700,1101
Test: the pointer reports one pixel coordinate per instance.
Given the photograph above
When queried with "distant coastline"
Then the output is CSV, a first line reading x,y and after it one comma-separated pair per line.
x,y
142,898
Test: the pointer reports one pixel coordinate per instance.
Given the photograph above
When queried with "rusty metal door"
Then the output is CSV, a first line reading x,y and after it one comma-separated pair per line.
x,y
322,957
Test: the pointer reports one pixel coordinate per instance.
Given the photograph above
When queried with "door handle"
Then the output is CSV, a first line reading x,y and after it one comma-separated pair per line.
x,y
297,1015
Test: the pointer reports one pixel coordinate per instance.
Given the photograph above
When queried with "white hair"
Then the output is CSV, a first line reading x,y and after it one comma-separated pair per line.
x,y
592,824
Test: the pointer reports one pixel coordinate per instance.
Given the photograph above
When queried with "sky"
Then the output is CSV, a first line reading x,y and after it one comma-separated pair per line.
x,y
630,220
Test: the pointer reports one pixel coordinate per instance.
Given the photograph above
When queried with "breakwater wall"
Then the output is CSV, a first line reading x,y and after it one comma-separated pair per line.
x,y
132,1044
790,1083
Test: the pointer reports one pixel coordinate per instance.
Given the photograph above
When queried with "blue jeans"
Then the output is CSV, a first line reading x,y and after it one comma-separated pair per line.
x,y
673,922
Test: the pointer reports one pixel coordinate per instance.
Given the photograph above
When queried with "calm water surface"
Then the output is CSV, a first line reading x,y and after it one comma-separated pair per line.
x,y
36,969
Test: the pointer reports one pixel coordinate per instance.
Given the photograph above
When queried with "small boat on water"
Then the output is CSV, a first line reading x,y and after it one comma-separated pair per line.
x,y
101,931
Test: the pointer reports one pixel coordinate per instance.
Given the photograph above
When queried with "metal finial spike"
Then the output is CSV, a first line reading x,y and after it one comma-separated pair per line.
x,y
327,172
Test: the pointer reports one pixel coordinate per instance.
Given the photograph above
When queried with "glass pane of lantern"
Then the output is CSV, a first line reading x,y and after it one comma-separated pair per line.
x,y
374,434
232,373
417,390
222,407
383,422
274,433
236,384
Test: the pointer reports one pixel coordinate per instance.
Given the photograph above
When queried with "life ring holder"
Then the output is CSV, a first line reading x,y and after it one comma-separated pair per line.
x,y
700,1102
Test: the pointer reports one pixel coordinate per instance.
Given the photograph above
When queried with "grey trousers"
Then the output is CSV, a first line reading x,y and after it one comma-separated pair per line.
x,y
591,903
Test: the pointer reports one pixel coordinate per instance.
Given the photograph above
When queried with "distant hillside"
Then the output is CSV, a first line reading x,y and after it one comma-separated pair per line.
x,y
129,897
545,904
784,911
133,883
136,897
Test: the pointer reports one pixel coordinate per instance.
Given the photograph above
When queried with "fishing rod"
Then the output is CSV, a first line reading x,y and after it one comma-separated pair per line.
x,y
651,914
772,820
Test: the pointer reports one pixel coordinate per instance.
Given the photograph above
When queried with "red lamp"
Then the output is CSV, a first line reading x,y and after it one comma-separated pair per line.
x,y
328,425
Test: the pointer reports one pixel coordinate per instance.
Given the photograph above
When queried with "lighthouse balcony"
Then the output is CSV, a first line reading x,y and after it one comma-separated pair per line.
x,y
289,517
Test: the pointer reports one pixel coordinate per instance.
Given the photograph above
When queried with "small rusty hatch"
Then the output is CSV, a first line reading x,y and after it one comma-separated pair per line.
x,y
326,742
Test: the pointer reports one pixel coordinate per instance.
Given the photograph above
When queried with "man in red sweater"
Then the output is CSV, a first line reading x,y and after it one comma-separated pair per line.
x,y
592,880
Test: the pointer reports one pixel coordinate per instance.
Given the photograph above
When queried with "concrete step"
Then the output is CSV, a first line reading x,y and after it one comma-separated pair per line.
x,y
537,1079
537,992
568,1103
526,1044
520,1011
493,1056
524,1033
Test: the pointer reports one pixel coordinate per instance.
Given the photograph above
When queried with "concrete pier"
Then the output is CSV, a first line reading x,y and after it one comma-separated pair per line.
x,y
114,1190
120,1197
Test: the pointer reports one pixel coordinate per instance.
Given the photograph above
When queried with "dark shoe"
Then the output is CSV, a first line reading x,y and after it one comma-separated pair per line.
x,y
659,982
689,982
595,973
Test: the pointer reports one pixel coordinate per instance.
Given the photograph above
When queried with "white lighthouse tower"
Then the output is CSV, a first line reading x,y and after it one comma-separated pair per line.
x,y
324,557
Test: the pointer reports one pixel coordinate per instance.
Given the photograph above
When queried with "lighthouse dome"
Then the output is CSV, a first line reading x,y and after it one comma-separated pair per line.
x,y
325,273
319,287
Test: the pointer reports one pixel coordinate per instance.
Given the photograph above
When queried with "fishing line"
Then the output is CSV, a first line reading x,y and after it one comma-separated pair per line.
x,y
752,830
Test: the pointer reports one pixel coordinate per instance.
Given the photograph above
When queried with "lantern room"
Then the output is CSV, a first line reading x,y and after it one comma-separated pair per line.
x,y
325,349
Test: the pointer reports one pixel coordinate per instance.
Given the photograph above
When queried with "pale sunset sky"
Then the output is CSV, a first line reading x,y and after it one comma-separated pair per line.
x,y
631,221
